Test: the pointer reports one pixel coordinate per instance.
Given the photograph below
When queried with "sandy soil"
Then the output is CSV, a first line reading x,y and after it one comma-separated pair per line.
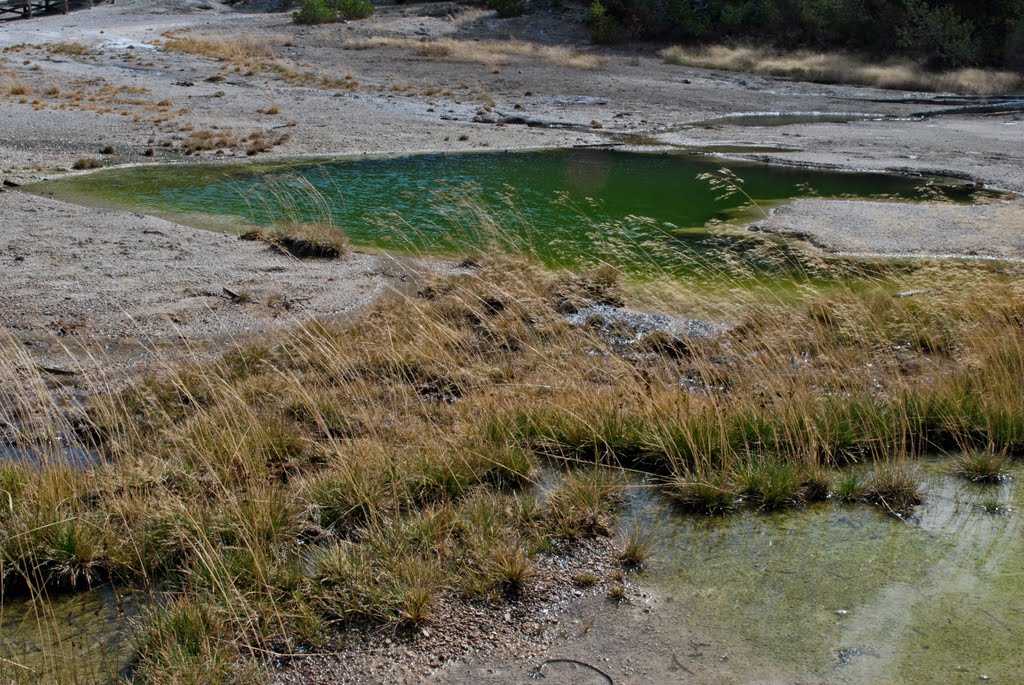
x,y
113,274
915,230
643,640
109,282
96,294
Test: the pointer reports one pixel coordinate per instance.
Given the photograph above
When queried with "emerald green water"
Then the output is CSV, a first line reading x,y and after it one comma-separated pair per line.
x,y
569,207
845,594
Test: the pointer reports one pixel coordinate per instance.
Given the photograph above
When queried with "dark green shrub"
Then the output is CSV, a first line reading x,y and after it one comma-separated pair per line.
x,y
944,33
939,35
327,11
354,9
604,28
315,12
508,8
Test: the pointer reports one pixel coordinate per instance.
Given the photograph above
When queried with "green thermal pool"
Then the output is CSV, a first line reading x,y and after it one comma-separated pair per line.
x,y
569,207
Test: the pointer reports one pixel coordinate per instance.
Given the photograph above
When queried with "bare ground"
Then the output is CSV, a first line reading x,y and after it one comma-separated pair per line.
x,y
915,230
119,285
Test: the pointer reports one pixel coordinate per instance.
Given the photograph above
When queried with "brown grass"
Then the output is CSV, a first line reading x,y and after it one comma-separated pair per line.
x,y
252,143
844,68
86,163
246,51
14,88
70,49
250,55
491,52
339,475
305,240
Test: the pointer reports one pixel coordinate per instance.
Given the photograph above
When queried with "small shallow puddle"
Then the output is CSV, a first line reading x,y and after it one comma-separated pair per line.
x,y
787,118
845,594
79,638
569,207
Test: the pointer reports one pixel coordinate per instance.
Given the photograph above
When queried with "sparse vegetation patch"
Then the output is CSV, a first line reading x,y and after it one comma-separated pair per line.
x,y
400,451
486,51
305,240
982,466
86,163
837,67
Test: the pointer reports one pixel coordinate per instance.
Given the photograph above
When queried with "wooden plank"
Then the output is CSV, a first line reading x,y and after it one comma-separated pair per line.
x,y
31,8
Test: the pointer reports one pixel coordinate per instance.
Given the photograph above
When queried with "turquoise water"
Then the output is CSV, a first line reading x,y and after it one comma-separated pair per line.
x,y
569,207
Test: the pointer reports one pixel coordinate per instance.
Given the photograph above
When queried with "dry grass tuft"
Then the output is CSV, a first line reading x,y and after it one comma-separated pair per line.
x,y
843,68
252,143
491,52
70,49
250,55
245,51
305,240
13,87
86,163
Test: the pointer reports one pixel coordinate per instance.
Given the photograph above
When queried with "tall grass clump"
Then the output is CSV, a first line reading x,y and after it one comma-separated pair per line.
x,y
429,451
839,67
304,239
492,52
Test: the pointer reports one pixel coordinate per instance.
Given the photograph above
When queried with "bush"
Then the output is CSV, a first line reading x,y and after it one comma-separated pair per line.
x,y
327,11
604,28
354,9
315,12
508,8
939,35
943,33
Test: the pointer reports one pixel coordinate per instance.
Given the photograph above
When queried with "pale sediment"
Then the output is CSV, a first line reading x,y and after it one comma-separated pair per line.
x,y
992,231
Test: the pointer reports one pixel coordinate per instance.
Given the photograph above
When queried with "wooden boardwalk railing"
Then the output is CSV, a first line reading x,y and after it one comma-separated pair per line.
x,y
29,8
